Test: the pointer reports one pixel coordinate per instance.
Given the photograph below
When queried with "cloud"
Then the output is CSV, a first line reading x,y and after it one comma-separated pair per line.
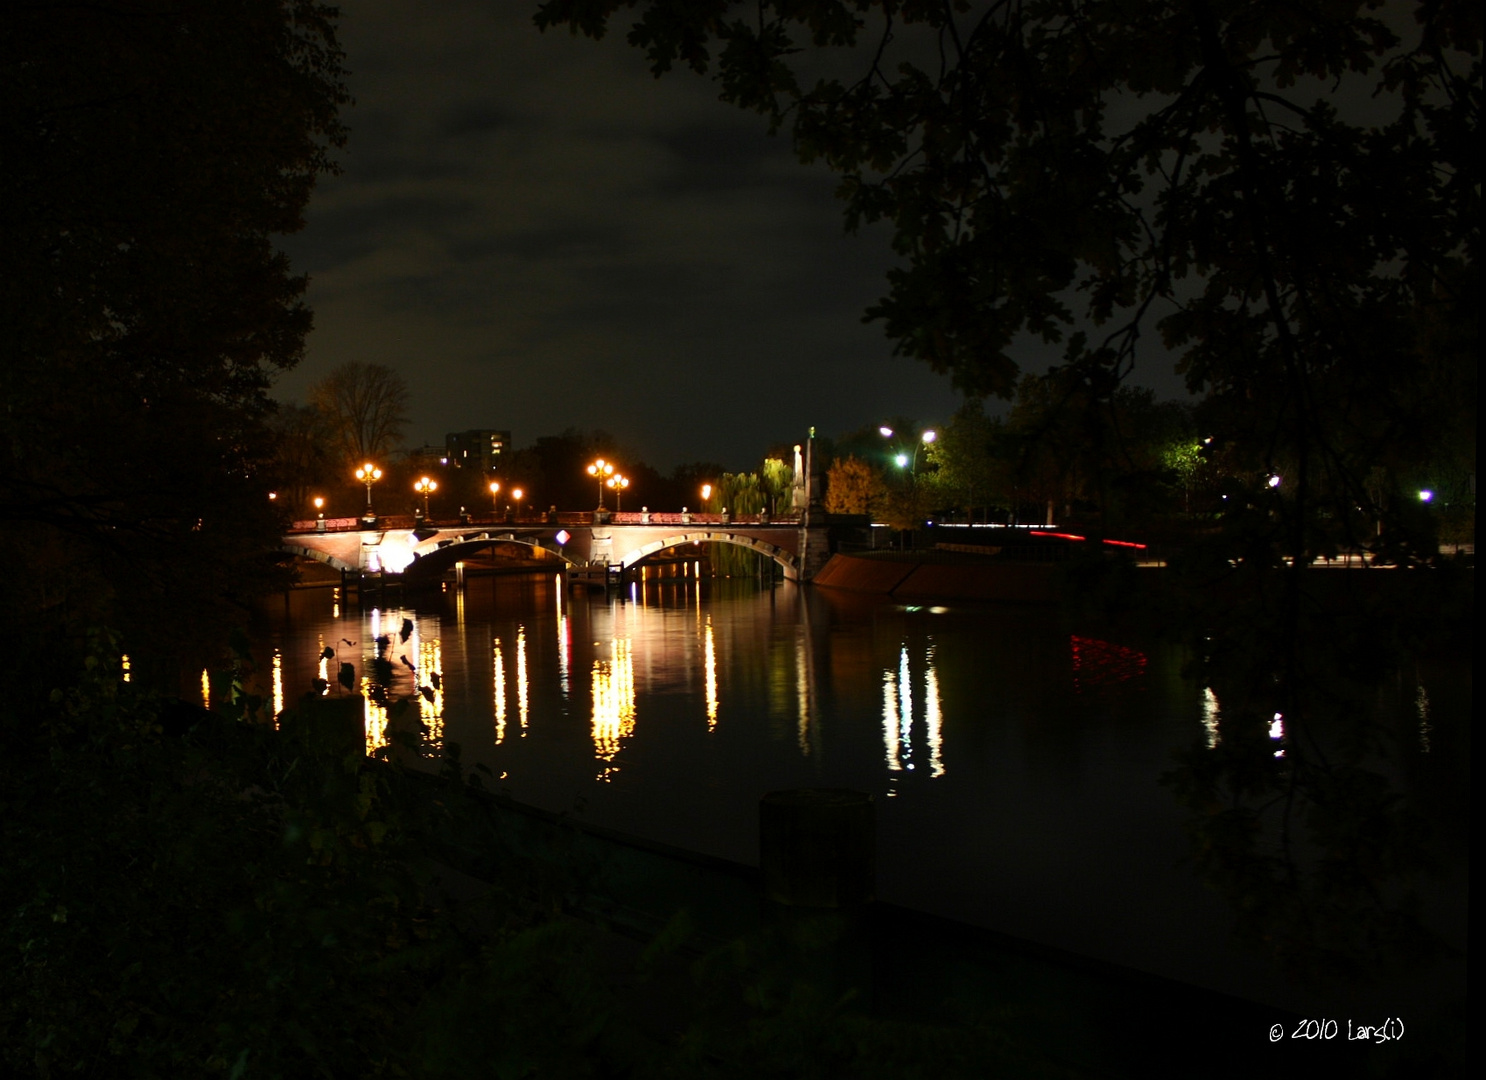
x,y
539,235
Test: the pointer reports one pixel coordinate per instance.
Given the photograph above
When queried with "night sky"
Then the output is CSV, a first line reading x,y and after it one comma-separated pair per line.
x,y
540,235
537,234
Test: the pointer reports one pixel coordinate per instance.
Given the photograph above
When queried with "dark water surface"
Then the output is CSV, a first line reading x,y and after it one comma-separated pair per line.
x,y
1015,759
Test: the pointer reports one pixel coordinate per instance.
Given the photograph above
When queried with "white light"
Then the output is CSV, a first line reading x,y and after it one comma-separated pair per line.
x,y
1274,481
1425,495
394,555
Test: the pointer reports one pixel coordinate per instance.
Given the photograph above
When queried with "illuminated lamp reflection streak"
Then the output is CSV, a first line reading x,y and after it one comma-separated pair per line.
x,y
430,697
376,719
613,704
498,691
890,722
522,685
898,715
710,662
1211,714
933,718
562,647
278,685
905,710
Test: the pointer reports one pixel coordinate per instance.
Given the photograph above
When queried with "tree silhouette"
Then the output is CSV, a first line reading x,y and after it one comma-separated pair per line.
x,y
152,152
365,409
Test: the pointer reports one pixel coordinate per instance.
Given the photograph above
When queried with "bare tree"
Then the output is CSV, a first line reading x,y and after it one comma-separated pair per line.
x,y
365,408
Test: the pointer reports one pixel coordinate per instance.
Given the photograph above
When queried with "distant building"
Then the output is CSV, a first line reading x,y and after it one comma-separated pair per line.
x,y
428,457
483,450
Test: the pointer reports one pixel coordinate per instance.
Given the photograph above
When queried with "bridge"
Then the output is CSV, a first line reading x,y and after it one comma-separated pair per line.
x,y
588,544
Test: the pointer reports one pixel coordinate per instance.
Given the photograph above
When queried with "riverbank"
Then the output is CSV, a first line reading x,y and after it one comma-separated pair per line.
x,y
1056,1012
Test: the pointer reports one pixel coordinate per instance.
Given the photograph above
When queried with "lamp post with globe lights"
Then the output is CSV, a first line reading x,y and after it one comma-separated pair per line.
x,y
902,458
425,487
368,474
618,482
601,470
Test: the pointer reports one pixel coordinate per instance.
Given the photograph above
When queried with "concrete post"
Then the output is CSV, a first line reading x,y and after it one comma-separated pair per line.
x,y
817,854
817,847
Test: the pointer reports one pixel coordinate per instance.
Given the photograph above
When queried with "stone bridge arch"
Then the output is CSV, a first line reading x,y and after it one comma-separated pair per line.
x,y
441,552
319,556
782,556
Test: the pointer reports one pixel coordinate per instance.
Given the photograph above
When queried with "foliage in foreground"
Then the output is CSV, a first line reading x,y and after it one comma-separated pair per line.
x,y
197,894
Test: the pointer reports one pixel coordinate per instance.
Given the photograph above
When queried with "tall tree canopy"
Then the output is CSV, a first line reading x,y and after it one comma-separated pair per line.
x,y
152,149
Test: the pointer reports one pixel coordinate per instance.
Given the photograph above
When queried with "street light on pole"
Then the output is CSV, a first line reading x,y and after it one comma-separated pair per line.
x,y
601,470
516,494
495,497
368,474
902,458
425,487
618,482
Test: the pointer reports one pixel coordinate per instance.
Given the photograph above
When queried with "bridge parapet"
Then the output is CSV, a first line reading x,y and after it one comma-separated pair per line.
x,y
394,522
800,550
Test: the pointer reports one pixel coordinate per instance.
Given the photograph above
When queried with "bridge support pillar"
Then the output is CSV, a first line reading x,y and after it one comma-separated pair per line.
x,y
601,546
815,550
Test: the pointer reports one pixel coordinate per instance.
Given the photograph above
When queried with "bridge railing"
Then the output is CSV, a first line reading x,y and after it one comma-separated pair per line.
x,y
567,518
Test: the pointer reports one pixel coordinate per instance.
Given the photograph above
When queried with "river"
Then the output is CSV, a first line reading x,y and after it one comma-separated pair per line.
x,y
1015,759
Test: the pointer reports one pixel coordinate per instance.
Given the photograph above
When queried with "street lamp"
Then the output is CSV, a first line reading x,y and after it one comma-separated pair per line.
x,y
425,487
901,458
495,497
516,494
368,474
618,482
601,470
706,492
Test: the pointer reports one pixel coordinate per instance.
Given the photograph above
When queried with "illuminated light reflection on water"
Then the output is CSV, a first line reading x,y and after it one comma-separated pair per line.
x,y
709,661
498,691
613,705
1211,714
898,727
1016,765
